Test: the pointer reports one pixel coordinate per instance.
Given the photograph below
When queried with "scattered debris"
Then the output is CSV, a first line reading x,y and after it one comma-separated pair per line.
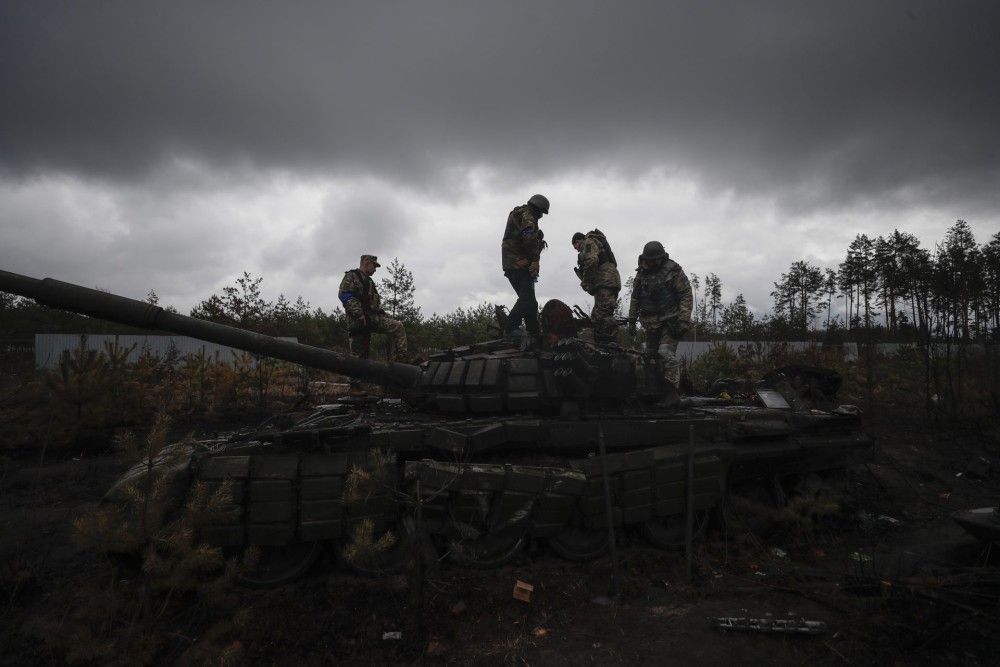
x,y
780,553
797,626
979,468
538,633
395,634
865,517
759,573
667,612
860,557
523,591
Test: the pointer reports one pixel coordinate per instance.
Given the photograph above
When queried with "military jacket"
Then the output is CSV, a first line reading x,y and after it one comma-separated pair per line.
x,y
521,239
358,294
596,264
662,296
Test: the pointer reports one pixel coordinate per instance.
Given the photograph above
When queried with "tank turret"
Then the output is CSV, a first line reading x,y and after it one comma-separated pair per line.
x,y
562,375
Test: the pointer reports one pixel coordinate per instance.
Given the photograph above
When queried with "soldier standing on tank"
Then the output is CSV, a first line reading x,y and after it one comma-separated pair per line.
x,y
364,312
662,302
599,277
520,249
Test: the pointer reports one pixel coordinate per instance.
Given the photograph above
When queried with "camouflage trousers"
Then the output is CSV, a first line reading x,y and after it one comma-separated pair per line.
x,y
361,338
658,338
603,315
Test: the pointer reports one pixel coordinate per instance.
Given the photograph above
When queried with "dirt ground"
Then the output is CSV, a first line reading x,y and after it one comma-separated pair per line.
x,y
909,589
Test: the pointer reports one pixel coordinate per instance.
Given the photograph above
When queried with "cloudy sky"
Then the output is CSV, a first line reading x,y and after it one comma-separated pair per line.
x,y
174,145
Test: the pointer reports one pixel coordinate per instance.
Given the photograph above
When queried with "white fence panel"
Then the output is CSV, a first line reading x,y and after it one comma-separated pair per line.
x,y
688,350
50,347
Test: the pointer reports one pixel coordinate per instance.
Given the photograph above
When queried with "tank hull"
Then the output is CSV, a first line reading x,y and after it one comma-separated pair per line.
x,y
517,476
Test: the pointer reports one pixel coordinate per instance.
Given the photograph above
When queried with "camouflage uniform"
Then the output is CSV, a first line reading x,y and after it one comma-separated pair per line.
x,y
662,302
365,316
598,273
522,242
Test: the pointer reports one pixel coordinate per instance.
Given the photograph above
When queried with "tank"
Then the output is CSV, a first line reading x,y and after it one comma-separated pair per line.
x,y
490,447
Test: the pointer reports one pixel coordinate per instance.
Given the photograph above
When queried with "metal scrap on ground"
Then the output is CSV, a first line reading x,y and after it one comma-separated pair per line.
x,y
770,625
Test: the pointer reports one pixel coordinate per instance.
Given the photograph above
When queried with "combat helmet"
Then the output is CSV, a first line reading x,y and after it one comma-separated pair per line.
x,y
540,202
653,250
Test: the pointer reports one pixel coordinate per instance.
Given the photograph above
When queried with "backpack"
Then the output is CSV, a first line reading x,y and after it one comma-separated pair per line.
x,y
604,254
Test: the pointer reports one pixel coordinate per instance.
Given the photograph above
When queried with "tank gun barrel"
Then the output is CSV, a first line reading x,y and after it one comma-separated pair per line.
x,y
78,299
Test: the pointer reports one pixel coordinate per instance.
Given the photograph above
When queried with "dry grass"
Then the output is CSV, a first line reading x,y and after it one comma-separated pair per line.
x,y
363,548
374,479
123,621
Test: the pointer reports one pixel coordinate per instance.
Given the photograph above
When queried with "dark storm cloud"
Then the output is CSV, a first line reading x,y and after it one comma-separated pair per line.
x,y
819,103
364,221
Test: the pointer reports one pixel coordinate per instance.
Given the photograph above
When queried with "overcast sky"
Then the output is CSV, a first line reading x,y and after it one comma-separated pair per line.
x,y
174,145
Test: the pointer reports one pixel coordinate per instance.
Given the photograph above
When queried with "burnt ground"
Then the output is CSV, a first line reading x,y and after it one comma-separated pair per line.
x,y
912,590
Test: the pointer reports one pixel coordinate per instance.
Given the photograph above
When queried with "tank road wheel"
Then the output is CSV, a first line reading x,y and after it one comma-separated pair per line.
x,y
270,567
667,532
580,544
470,547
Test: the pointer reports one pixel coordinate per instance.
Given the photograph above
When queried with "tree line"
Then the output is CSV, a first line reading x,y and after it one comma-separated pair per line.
x,y
888,287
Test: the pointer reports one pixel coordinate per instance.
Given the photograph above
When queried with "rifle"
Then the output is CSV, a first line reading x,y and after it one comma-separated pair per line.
x,y
586,318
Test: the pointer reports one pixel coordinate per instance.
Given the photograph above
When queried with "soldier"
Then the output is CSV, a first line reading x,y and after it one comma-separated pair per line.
x,y
598,273
520,250
364,313
661,301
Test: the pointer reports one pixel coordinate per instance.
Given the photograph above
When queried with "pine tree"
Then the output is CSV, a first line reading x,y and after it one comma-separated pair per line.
x,y
713,295
397,291
961,276
798,294
910,272
991,283
241,304
830,289
738,319
695,286
858,279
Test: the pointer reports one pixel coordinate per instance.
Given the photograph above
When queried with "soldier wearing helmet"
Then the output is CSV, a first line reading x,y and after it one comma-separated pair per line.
x,y
661,302
599,277
520,249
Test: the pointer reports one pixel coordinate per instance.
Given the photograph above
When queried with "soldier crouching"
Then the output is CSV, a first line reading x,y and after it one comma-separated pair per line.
x,y
662,302
364,312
